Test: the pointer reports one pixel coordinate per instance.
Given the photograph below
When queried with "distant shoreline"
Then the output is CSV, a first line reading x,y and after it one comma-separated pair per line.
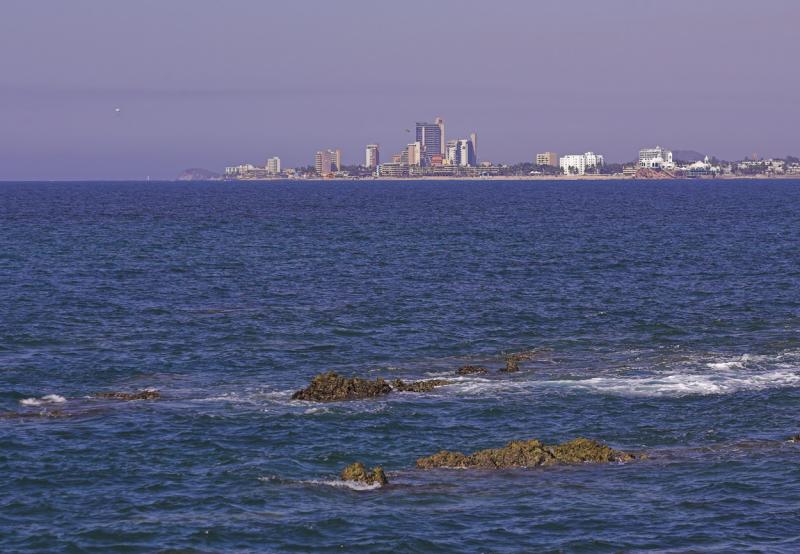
x,y
415,179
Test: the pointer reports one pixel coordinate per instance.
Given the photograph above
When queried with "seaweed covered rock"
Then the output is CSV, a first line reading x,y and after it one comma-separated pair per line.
x,y
331,387
513,359
127,396
471,370
418,386
529,453
358,473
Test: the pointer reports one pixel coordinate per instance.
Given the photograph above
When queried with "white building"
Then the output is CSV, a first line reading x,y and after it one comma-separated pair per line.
x,y
235,170
579,163
373,156
274,166
414,152
656,158
461,152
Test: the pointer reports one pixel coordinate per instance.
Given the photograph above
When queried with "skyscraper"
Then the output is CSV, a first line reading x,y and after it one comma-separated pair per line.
x,y
431,137
473,137
373,156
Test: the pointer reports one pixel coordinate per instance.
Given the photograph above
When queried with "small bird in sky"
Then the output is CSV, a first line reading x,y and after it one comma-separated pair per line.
x,y
117,110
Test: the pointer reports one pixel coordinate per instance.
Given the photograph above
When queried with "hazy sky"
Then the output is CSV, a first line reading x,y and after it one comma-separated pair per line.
x,y
204,83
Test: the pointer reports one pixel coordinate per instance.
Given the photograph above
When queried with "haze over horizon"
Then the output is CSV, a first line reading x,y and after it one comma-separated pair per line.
x,y
202,85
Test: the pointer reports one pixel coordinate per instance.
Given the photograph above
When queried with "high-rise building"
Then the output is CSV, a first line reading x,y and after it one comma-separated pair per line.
x,y
373,156
461,152
431,137
579,163
274,166
655,158
547,158
473,137
414,153
328,161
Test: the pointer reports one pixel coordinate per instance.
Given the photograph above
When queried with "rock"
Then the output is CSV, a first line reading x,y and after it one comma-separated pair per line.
x,y
529,453
513,359
418,386
471,370
512,365
794,438
331,387
127,396
358,473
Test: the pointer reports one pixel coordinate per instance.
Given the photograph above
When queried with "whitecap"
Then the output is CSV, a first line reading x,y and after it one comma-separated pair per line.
x,y
684,384
344,484
46,399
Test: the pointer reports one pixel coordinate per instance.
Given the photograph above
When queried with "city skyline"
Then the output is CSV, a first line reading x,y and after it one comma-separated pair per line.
x,y
84,96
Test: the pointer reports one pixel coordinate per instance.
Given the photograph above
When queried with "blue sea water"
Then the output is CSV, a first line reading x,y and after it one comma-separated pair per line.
x,y
667,314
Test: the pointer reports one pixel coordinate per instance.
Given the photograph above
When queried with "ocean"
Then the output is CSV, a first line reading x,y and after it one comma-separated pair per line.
x,y
665,316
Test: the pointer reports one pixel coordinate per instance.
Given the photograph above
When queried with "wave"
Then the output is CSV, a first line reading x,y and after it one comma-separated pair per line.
x,y
685,384
47,399
336,483
344,484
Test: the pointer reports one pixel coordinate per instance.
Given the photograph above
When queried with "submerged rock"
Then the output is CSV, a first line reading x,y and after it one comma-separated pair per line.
x,y
418,386
471,370
331,387
529,453
358,473
513,359
140,395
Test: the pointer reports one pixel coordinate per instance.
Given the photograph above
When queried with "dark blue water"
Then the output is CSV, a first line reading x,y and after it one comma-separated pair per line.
x,y
670,314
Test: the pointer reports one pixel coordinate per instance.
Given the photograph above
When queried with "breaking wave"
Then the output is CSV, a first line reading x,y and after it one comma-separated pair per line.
x,y
47,399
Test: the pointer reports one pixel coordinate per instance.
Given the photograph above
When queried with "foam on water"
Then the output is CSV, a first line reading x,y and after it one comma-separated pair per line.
x,y
684,384
46,399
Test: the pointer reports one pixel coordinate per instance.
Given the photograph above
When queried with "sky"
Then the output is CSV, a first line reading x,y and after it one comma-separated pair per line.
x,y
204,83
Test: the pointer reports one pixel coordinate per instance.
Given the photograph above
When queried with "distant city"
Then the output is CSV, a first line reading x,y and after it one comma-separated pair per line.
x,y
431,154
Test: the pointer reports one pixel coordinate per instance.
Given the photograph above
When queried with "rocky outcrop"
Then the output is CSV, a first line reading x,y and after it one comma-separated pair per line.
x,y
331,387
127,396
513,359
471,370
418,386
528,453
794,438
357,473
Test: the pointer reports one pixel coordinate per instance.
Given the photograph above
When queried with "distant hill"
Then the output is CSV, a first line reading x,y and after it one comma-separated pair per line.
x,y
687,156
198,174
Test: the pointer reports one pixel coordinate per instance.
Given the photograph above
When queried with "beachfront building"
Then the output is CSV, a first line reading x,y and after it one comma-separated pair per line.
x,y
414,153
577,164
328,161
656,158
239,170
461,152
273,166
373,156
547,158
431,138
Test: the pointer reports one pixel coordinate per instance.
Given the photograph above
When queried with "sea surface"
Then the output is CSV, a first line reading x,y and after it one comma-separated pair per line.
x,y
666,314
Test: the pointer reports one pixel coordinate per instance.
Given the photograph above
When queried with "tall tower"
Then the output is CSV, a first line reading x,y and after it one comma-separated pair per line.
x,y
474,138
440,122
373,156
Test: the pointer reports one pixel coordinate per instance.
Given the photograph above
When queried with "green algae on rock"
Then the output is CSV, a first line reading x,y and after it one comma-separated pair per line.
x,y
357,473
471,370
514,358
527,453
331,387
418,386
